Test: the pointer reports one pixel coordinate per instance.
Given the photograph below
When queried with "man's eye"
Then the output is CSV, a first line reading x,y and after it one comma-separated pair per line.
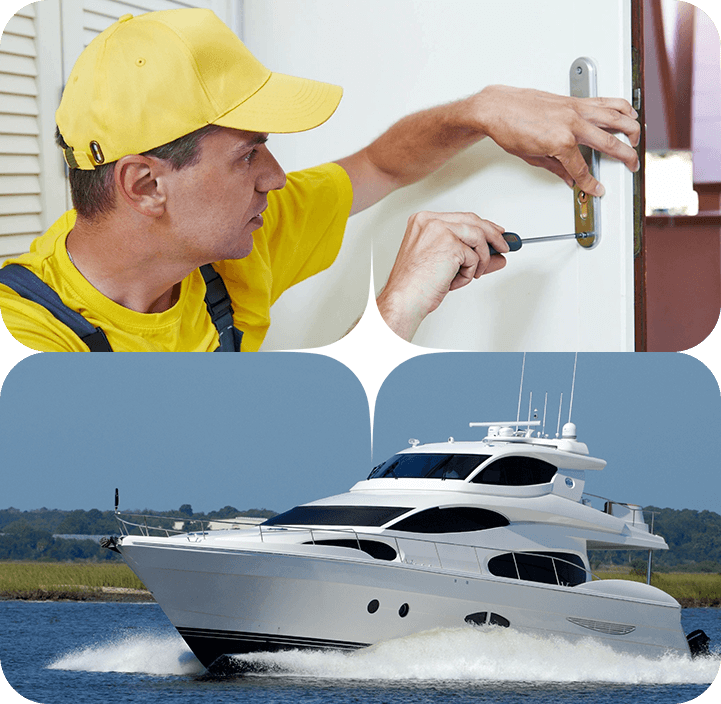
x,y
250,155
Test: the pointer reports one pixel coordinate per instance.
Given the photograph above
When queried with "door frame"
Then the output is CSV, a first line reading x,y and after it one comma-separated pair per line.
x,y
639,181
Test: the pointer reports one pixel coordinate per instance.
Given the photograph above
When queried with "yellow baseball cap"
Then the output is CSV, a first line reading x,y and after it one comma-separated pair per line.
x,y
148,80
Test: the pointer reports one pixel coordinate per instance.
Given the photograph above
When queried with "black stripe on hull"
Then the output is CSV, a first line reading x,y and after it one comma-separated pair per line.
x,y
208,645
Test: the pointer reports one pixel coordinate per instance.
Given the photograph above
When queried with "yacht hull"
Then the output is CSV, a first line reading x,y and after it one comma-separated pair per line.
x,y
232,600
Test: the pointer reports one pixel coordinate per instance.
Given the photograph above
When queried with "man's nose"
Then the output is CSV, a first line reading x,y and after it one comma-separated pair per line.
x,y
272,176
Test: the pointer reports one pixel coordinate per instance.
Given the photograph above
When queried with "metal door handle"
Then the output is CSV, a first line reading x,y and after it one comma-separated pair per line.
x,y
587,209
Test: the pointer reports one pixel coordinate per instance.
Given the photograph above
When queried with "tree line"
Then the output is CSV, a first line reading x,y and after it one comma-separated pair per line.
x,y
37,534
694,537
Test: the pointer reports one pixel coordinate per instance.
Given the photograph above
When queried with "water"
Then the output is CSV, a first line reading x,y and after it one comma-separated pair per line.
x,y
71,653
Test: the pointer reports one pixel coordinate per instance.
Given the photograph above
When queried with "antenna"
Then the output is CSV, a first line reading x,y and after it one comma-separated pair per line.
x,y
573,386
530,403
545,403
558,427
520,391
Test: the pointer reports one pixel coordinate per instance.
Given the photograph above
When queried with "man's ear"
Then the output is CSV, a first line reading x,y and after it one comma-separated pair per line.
x,y
136,178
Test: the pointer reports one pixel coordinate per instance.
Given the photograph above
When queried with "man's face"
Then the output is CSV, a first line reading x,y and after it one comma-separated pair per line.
x,y
215,205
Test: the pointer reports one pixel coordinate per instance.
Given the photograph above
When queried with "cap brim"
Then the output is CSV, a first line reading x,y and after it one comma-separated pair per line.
x,y
284,104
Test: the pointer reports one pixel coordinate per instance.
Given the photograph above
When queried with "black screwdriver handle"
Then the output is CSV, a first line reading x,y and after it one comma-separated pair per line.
x,y
514,242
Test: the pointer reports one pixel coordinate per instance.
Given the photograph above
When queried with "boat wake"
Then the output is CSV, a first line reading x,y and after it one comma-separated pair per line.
x,y
497,655
143,653
463,655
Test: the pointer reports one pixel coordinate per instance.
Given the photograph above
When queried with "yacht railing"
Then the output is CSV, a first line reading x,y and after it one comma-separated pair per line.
x,y
635,512
144,524
409,550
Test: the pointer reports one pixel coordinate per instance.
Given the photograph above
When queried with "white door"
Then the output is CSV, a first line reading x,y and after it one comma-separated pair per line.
x,y
396,56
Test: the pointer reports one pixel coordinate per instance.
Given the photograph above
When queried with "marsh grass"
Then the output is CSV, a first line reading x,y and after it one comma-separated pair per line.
x,y
690,589
63,579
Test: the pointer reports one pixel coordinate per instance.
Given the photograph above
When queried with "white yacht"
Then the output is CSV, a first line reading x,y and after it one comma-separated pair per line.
x,y
492,533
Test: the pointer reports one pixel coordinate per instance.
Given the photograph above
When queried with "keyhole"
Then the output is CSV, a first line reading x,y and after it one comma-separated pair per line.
x,y
583,205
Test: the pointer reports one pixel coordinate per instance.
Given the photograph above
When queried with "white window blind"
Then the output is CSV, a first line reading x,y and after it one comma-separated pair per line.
x,y
20,192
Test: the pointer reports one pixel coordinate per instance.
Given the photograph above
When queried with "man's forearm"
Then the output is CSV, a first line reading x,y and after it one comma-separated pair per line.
x,y
419,144
402,315
413,148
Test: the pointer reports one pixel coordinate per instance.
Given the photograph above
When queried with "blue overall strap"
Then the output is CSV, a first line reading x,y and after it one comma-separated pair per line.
x,y
29,286
220,309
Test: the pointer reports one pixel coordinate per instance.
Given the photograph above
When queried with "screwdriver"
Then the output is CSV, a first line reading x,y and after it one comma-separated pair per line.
x,y
515,242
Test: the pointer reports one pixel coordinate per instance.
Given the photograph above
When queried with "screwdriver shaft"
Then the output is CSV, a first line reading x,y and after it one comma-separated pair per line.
x,y
550,238
515,242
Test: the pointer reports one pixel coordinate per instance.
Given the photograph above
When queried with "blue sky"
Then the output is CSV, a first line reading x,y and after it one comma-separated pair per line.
x,y
277,429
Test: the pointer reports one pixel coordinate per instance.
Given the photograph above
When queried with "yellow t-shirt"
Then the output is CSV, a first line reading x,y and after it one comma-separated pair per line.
x,y
302,232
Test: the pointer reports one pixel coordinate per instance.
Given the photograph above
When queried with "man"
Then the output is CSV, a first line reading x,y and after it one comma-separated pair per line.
x,y
163,124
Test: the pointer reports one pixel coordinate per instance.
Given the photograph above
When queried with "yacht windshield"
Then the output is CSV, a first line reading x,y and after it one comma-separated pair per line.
x,y
428,466
337,516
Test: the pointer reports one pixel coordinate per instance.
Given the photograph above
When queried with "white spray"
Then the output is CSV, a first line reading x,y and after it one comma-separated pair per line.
x,y
461,654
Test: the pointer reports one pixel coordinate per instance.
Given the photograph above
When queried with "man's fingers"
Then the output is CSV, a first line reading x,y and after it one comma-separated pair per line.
x,y
469,228
494,235
577,167
463,238
603,141
467,270
614,115
618,104
470,235
474,267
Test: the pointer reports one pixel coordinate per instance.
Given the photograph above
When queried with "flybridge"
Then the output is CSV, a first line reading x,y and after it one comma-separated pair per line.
x,y
514,431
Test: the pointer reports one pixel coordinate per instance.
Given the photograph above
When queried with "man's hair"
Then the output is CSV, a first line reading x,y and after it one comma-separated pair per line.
x,y
93,192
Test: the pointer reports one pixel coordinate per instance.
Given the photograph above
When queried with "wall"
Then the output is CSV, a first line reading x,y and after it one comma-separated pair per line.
x,y
706,128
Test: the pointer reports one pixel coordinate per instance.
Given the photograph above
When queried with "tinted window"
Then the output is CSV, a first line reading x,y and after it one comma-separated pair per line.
x,y
428,466
503,566
460,519
376,549
539,567
337,516
516,471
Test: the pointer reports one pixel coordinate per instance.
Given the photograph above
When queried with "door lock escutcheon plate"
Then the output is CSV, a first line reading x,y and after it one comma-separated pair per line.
x,y
587,209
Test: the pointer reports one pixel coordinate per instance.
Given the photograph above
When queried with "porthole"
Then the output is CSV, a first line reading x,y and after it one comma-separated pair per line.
x,y
373,606
403,611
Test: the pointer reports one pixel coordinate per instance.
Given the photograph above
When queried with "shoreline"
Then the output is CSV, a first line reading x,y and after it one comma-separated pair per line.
x,y
99,594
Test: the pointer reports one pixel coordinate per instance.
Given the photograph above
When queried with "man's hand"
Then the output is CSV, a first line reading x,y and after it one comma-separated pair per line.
x,y
542,128
545,130
440,252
